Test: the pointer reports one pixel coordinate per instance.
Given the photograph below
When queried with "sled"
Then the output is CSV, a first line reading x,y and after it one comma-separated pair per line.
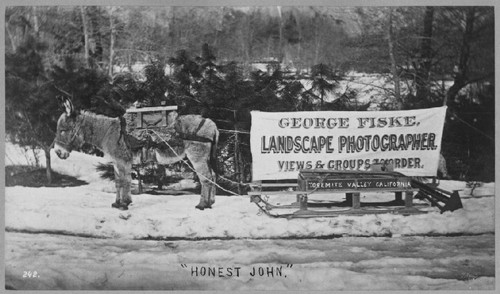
x,y
352,184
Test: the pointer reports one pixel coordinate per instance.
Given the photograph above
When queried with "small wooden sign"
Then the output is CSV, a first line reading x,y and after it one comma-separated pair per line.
x,y
357,184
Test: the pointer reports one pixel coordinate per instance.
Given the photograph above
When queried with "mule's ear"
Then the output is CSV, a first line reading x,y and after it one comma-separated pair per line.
x,y
60,99
68,105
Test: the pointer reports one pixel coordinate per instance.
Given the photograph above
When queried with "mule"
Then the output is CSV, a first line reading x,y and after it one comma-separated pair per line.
x,y
74,128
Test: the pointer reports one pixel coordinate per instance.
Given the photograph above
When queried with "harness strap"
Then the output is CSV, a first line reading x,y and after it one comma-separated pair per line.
x,y
192,136
202,122
123,132
68,145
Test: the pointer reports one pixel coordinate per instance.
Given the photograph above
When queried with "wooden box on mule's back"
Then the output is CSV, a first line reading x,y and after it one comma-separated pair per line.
x,y
148,117
139,122
159,126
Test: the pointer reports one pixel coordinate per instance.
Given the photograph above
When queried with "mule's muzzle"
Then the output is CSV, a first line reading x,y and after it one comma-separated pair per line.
x,y
61,152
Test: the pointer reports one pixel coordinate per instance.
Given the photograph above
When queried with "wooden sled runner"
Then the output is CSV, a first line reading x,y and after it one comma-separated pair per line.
x,y
320,182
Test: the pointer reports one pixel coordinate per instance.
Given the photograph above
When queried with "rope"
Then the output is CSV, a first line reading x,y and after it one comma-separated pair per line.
x,y
234,131
199,175
261,209
473,127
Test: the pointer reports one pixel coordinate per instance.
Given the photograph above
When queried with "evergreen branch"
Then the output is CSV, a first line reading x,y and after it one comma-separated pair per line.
x,y
62,91
375,86
480,78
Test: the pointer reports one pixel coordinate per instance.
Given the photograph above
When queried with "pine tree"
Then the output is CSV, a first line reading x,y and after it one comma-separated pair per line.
x,y
323,75
31,109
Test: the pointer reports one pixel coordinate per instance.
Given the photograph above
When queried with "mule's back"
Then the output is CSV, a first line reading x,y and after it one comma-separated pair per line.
x,y
196,128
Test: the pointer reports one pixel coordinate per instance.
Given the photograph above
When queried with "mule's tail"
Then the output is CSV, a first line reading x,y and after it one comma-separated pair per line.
x,y
213,152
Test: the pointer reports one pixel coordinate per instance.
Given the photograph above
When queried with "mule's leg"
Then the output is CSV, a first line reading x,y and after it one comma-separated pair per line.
x,y
199,155
123,178
211,185
127,180
124,170
161,176
118,186
207,197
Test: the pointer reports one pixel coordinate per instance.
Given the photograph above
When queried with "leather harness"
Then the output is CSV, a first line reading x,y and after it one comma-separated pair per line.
x,y
192,136
68,145
189,136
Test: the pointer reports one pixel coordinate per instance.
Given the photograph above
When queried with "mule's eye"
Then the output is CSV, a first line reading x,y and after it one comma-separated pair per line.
x,y
62,132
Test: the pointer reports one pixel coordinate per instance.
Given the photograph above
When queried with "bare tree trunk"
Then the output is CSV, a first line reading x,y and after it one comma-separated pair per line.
x,y
281,54
269,43
424,64
316,51
299,48
35,156
13,42
237,160
395,76
317,39
460,80
237,155
85,34
36,26
218,27
112,42
48,165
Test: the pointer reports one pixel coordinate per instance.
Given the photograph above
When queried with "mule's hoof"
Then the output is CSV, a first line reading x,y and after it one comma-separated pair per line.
x,y
123,207
119,206
203,206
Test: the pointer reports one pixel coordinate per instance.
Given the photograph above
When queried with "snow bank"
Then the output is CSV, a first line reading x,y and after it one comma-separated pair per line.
x,y
16,155
86,210
79,165
79,211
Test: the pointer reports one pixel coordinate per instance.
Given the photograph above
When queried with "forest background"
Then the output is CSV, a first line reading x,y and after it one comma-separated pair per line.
x,y
223,62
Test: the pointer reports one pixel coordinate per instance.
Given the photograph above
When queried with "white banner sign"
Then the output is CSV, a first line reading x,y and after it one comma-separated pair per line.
x,y
283,143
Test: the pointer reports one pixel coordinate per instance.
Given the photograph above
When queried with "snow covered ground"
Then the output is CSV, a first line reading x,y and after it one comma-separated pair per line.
x,y
349,263
45,227
87,211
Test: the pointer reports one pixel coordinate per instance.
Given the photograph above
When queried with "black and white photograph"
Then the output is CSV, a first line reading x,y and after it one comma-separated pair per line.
x,y
249,146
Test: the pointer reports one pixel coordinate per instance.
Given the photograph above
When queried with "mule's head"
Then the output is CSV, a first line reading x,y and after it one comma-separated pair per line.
x,y
69,135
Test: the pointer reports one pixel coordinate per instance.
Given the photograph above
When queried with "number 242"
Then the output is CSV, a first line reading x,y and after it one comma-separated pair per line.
x,y
30,274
